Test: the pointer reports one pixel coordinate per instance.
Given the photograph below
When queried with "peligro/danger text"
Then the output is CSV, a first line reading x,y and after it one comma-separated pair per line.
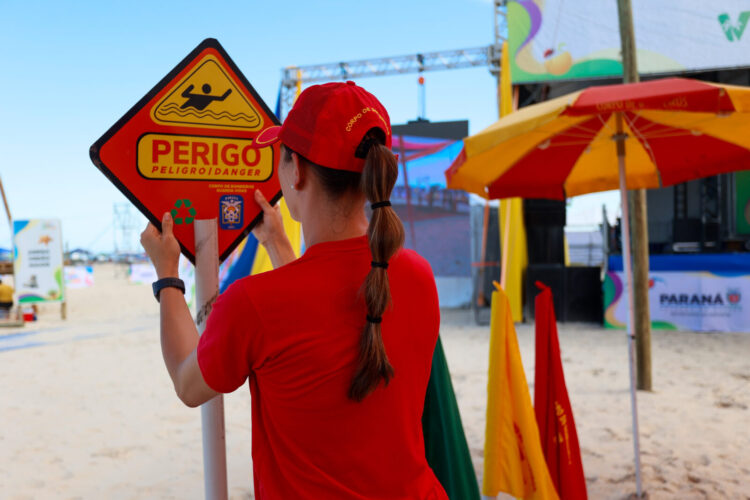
x,y
166,156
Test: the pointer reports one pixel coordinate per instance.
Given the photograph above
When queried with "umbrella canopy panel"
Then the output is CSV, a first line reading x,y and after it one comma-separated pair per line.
x,y
675,130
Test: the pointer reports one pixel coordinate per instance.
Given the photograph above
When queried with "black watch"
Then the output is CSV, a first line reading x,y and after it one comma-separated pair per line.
x,y
158,285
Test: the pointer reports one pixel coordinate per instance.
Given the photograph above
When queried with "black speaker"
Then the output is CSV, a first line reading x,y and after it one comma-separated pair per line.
x,y
545,231
552,275
544,212
545,244
687,230
584,299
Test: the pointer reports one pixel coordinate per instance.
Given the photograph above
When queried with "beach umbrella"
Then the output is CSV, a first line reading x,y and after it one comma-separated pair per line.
x,y
627,136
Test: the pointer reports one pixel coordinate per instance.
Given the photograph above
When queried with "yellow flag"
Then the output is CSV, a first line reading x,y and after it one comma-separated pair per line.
x,y
262,261
513,458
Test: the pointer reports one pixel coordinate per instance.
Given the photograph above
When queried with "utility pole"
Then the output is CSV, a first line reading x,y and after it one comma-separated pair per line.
x,y
639,224
7,209
640,321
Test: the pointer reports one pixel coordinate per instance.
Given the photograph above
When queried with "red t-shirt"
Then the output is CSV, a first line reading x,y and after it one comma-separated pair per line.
x,y
294,332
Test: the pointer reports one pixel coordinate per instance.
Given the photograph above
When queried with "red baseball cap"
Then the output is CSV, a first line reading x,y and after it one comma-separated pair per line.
x,y
327,124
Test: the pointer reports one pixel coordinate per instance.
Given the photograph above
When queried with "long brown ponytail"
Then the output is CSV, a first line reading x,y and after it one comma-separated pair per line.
x,y
386,235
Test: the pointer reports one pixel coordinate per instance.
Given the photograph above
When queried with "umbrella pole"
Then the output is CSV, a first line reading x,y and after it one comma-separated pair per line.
x,y
629,287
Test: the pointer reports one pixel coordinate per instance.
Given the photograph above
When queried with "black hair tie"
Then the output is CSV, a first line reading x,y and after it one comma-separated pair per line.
x,y
365,146
374,319
379,204
374,263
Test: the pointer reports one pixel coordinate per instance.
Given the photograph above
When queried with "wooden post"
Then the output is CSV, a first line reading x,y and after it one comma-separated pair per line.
x,y
639,320
7,209
639,220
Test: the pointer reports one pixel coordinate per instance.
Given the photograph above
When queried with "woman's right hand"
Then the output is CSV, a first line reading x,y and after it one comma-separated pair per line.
x,y
271,227
270,232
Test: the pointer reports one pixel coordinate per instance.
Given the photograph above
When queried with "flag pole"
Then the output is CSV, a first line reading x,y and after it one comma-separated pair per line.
x,y
212,412
620,139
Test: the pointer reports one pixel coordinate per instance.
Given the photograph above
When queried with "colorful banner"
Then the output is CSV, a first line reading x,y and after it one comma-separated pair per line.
x,y
742,201
79,276
685,300
144,273
38,260
552,40
436,220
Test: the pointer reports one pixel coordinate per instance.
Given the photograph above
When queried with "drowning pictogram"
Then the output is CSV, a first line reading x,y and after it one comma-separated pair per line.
x,y
200,101
207,97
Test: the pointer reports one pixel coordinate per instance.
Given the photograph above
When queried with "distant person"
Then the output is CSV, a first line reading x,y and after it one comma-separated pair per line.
x,y
336,346
6,299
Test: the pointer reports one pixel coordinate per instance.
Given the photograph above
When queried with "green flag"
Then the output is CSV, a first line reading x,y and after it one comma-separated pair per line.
x,y
444,439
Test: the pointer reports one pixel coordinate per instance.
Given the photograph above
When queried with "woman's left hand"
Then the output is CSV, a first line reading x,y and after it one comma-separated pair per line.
x,y
162,248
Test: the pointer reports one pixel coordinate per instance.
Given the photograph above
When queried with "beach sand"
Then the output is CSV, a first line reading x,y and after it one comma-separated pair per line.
x,y
87,409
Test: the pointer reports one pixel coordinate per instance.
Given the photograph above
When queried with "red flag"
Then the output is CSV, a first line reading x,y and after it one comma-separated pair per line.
x,y
557,429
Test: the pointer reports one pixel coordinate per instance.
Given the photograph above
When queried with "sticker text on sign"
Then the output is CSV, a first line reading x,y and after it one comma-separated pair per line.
x,y
166,156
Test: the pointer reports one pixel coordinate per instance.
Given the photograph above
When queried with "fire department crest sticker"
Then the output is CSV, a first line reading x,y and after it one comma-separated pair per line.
x,y
230,211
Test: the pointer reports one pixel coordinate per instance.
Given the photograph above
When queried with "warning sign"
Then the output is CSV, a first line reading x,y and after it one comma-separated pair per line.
x,y
169,156
189,148
207,97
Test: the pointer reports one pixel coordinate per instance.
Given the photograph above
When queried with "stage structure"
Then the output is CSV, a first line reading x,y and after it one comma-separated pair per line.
x,y
292,77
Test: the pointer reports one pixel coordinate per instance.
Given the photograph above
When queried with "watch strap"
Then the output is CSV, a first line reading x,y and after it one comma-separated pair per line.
x,y
159,285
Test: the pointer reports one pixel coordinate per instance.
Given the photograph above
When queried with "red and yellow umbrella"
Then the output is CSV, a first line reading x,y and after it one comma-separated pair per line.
x,y
631,136
673,129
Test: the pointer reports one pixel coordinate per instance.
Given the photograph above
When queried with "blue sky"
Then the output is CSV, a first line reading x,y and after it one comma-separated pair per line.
x,y
71,69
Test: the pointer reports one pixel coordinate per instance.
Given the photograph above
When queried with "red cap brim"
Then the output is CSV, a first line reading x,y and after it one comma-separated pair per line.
x,y
267,137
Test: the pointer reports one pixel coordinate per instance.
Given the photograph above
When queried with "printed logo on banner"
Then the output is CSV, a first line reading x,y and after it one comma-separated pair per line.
x,y
734,297
230,211
691,299
733,31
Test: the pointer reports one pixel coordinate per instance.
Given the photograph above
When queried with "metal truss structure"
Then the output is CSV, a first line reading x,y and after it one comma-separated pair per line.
x,y
293,77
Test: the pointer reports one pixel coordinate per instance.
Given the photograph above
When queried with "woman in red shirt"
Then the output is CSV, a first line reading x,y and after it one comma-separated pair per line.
x,y
337,345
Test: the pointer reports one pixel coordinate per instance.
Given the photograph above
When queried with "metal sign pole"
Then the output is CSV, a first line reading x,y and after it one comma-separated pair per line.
x,y
212,412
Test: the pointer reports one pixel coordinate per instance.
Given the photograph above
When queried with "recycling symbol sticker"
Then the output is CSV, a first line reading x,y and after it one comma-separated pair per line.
x,y
178,209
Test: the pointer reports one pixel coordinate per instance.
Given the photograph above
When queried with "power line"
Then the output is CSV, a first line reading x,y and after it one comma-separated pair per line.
x,y
124,223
